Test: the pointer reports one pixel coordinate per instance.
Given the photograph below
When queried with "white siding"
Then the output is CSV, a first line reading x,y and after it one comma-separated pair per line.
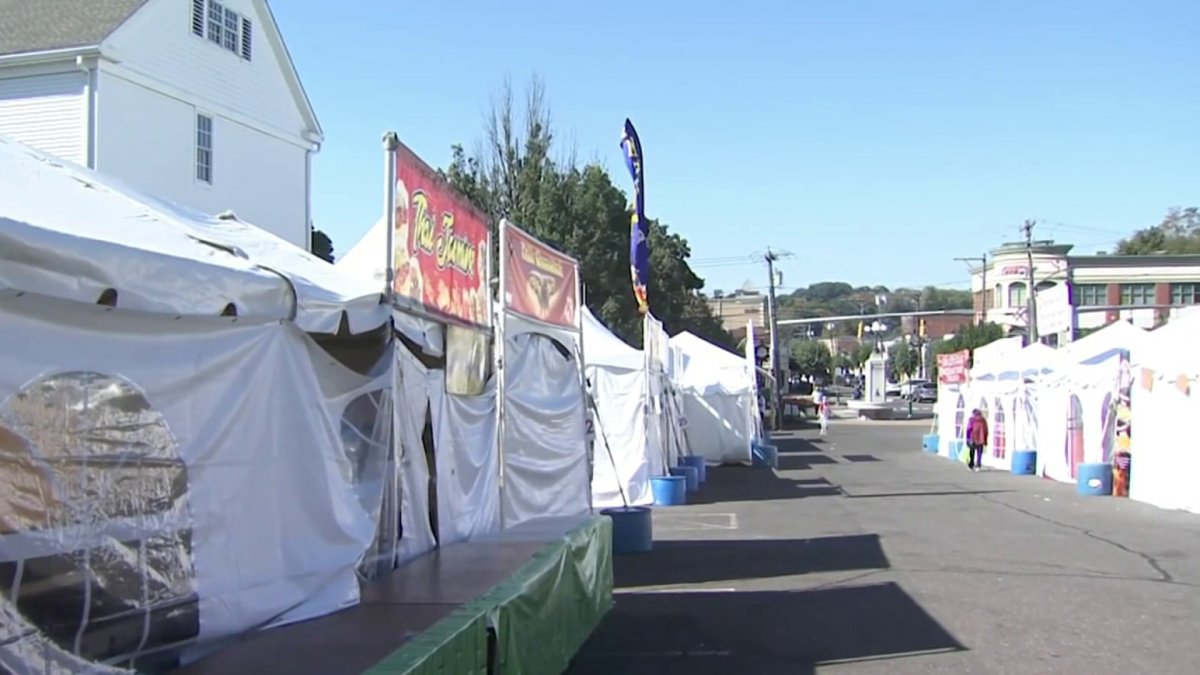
x,y
157,42
47,112
148,140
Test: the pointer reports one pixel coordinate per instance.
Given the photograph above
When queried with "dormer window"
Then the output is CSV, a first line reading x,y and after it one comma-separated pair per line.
x,y
223,27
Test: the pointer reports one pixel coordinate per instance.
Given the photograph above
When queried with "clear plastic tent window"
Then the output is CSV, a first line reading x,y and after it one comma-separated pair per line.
x,y
96,542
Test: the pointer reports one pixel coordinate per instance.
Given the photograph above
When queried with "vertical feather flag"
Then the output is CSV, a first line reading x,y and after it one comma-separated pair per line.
x,y
639,227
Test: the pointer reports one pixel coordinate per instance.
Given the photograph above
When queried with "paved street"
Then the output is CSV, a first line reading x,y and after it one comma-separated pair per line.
x,y
864,555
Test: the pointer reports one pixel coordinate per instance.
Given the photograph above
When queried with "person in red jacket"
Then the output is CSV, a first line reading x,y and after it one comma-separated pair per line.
x,y
977,437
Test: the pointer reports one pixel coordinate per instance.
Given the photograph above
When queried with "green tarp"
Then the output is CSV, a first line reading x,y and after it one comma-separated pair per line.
x,y
541,615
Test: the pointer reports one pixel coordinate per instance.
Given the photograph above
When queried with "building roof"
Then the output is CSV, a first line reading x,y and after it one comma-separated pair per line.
x,y
32,26
1154,260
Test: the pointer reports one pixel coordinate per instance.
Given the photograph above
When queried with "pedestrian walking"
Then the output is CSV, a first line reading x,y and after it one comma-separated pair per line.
x,y
823,413
977,438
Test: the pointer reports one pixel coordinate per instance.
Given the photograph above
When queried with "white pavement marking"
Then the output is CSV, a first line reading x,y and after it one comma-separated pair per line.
x,y
696,521
675,589
676,654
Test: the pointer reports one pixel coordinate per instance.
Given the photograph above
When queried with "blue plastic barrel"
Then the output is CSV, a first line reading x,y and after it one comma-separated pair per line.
x,y
632,530
929,443
690,475
669,490
1024,463
765,456
1094,479
958,451
697,462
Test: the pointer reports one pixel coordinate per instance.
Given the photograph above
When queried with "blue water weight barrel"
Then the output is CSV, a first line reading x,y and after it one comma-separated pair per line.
x,y
669,490
958,451
690,475
765,456
697,462
1024,463
633,529
929,443
1094,479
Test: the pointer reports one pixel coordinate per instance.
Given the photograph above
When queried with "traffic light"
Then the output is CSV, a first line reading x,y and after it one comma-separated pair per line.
x,y
921,328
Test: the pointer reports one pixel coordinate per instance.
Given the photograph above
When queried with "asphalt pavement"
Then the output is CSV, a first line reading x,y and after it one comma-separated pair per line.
x,y
862,554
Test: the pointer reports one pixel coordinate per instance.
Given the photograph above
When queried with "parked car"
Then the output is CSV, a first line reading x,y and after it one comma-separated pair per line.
x,y
909,387
925,393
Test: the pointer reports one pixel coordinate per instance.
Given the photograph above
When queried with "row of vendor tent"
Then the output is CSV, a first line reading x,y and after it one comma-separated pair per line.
x,y
183,458
1078,404
703,404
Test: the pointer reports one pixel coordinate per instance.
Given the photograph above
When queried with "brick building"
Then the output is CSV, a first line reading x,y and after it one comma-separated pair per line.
x,y
1080,292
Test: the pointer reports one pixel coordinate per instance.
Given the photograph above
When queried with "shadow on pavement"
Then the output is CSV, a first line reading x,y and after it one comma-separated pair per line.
x,y
761,632
789,445
943,493
697,562
797,462
746,484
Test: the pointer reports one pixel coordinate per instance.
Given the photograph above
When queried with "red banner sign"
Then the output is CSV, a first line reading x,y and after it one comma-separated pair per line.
x,y
540,283
953,368
440,246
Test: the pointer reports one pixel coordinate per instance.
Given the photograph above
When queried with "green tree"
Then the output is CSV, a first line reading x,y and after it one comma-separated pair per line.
x,y
904,359
579,210
811,358
969,338
862,354
1178,233
321,245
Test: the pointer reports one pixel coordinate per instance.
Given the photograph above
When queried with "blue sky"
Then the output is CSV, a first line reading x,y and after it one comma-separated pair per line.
x,y
875,140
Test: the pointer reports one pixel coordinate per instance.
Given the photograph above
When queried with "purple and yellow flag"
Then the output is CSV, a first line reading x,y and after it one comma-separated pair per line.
x,y
639,227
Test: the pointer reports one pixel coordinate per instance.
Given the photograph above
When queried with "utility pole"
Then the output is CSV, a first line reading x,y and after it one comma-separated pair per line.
x,y
773,327
982,260
1030,304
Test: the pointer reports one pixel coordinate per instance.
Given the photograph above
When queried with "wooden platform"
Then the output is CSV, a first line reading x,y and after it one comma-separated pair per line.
x,y
440,598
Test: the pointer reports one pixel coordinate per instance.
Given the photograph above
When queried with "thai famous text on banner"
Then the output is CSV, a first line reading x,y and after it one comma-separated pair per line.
x,y
440,247
540,283
639,227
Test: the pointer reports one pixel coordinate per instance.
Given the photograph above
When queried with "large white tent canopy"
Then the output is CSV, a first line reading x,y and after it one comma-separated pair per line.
x,y
70,233
719,400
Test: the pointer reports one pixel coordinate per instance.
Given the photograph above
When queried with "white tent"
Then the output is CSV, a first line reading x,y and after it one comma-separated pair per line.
x,y
1165,399
178,418
718,392
624,459
117,312
70,233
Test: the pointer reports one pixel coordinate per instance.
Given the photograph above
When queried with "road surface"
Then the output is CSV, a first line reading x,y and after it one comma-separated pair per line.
x,y
864,555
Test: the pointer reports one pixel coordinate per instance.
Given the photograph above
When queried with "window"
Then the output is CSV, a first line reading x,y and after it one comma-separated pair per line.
x,y
996,296
222,27
204,149
1185,294
1091,295
1137,294
1016,294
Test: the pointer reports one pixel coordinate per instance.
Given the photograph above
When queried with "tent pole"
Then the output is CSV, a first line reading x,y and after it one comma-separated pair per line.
x,y
588,403
499,320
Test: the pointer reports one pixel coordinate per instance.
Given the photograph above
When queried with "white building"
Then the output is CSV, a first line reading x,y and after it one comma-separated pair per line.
x,y
1083,292
195,101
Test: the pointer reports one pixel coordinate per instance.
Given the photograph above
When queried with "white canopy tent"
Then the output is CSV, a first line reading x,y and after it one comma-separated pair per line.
x,y
624,456
117,315
718,391
70,233
1165,399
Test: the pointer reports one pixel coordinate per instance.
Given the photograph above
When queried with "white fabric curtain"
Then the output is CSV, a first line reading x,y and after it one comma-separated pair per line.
x,y
621,431
468,469
545,453
718,426
411,406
